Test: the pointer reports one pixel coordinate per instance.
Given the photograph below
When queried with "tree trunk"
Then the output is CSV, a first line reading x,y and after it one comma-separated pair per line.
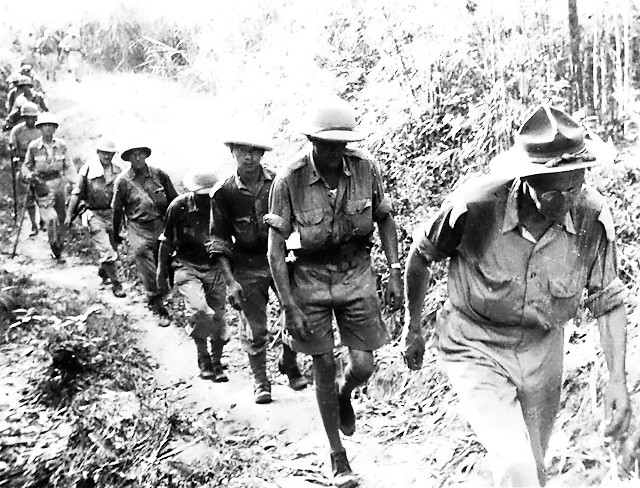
x,y
594,55
616,110
626,46
604,68
576,64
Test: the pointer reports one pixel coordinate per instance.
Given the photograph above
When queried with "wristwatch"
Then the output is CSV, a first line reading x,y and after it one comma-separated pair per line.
x,y
395,266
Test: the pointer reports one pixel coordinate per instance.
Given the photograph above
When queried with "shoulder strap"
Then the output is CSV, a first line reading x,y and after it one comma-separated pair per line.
x,y
144,192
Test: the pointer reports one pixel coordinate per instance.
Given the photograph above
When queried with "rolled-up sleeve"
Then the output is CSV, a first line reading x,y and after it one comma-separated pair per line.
x,y
436,239
169,233
381,203
279,216
605,291
220,242
80,186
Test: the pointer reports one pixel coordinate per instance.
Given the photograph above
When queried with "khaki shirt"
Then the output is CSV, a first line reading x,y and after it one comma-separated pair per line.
x,y
95,185
301,201
187,228
20,138
145,197
48,161
500,275
239,217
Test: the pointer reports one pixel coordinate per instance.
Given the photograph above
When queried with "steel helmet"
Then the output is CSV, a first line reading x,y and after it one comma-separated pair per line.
x,y
131,147
106,145
194,181
23,80
251,136
29,109
333,120
47,118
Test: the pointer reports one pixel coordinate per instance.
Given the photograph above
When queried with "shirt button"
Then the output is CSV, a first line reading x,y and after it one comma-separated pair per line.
x,y
532,275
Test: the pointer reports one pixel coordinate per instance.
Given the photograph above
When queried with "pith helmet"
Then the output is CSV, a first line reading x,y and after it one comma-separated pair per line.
x,y
29,109
25,69
106,145
130,148
333,120
47,118
23,80
550,141
255,136
194,181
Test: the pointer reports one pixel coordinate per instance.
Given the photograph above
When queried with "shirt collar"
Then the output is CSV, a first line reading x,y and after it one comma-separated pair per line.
x,y
314,176
240,184
41,142
511,217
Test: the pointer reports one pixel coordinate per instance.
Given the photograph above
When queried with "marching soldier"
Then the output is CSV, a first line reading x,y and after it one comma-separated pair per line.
x,y
240,240
48,170
142,195
197,276
94,190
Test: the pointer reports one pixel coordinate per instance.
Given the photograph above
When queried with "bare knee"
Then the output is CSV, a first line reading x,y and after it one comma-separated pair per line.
x,y
361,364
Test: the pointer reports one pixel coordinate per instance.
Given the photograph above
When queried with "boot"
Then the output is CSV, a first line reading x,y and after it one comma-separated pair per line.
x,y
341,470
205,366
102,273
204,359
56,252
287,365
262,386
216,356
112,273
157,307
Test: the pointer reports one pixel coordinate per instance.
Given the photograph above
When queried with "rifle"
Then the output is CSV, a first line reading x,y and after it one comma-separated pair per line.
x,y
24,211
14,184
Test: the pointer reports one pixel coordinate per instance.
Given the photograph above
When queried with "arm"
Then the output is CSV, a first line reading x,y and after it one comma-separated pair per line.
x,y
417,276
71,209
118,211
613,334
235,293
28,166
295,320
389,240
162,269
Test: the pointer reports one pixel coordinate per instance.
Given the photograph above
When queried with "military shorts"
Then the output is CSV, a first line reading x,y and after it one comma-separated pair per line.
x,y
323,291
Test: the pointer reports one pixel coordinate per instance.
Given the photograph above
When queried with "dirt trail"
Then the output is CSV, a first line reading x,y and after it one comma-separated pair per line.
x,y
128,102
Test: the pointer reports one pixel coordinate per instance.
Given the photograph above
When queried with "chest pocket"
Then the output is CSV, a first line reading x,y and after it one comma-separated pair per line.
x,y
245,231
311,228
359,216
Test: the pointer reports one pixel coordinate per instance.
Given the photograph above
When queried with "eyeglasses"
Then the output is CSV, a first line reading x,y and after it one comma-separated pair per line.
x,y
552,196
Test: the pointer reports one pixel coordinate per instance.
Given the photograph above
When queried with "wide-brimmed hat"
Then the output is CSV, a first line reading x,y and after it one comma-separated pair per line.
x,y
332,120
47,118
251,136
195,180
130,148
550,141
105,144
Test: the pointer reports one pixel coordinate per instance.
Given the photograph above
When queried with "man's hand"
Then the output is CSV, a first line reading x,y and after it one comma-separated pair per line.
x,y
162,282
67,221
394,294
617,408
413,352
235,295
296,323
